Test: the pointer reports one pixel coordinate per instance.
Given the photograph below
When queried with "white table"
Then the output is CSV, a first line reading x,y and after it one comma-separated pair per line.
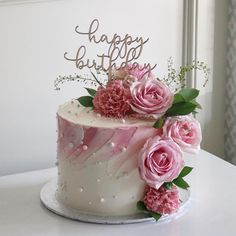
x,y
212,211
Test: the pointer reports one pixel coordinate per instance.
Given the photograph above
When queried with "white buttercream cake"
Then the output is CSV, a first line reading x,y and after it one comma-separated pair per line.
x,y
97,160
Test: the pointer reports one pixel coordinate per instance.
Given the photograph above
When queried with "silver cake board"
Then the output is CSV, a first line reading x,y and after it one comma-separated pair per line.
x,y
49,199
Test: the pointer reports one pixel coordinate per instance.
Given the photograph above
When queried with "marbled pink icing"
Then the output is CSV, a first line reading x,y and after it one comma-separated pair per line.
x,y
106,143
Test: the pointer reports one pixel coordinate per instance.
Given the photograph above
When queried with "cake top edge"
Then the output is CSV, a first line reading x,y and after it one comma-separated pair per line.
x,y
73,112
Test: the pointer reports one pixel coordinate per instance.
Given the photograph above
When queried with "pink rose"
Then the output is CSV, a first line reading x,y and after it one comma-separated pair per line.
x,y
185,131
151,96
113,100
162,201
160,161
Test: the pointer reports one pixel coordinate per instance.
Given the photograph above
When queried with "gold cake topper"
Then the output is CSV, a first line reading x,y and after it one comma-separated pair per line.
x,y
127,48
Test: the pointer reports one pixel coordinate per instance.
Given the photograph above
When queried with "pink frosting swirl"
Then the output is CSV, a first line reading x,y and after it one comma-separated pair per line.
x,y
162,201
113,100
185,131
150,96
160,161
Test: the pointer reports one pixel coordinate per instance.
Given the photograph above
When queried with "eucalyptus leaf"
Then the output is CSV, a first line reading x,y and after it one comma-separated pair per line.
x,y
91,91
159,123
182,108
185,171
180,182
86,101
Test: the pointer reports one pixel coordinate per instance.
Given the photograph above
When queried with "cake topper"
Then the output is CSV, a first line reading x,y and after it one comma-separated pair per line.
x,y
127,48
120,57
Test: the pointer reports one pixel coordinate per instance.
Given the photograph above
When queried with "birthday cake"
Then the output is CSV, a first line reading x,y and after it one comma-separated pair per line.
x,y
126,147
121,147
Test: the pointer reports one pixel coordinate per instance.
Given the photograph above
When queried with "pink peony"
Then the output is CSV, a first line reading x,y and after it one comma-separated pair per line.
x,y
151,96
160,161
131,72
162,201
185,131
112,101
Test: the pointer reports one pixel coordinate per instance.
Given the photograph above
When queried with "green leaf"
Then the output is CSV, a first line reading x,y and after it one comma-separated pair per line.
x,y
182,108
159,123
189,93
91,92
180,182
178,98
86,101
155,215
185,171
197,104
168,185
141,206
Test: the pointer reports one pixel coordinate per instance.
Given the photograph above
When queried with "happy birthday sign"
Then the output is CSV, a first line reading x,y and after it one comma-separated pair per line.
x,y
126,49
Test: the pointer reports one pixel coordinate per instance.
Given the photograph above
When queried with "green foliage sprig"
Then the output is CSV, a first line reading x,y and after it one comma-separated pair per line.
x,y
177,78
141,206
93,81
179,181
184,104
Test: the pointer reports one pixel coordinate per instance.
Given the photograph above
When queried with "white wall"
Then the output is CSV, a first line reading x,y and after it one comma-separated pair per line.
x,y
33,39
212,45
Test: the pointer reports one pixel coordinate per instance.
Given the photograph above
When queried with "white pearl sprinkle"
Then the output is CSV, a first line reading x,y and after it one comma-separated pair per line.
x,y
85,147
81,142
123,149
102,199
111,144
123,121
98,180
98,115
81,190
70,145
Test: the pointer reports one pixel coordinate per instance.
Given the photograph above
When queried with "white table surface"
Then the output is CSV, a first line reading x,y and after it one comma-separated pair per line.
x,y
212,210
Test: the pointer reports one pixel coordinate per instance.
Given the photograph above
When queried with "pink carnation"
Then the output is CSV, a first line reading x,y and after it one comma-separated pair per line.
x,y
160,161
113,100
185,131
135,72
162,201
151,97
